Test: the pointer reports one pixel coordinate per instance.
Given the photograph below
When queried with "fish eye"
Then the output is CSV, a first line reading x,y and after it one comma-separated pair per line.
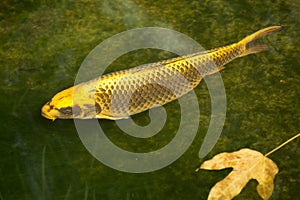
x,y
70,110
66,110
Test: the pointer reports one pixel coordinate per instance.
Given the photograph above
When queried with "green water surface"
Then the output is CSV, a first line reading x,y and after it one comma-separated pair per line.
x,y
42,45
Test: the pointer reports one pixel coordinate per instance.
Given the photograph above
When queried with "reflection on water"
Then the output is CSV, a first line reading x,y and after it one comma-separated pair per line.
x,y
43,45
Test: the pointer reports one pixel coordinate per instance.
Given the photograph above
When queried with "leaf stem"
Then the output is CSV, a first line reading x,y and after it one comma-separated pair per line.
x,y
272,151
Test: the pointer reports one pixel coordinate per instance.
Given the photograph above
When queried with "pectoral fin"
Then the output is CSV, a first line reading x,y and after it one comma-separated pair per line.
x,y
103,116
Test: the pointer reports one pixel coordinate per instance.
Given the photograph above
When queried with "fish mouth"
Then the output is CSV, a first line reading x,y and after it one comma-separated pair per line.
x,y
46,114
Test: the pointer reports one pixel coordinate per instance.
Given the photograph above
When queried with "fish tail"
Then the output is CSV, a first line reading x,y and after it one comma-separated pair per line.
x,y
250,44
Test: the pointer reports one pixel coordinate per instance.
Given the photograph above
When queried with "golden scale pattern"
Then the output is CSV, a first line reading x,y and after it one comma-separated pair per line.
x,y
127,92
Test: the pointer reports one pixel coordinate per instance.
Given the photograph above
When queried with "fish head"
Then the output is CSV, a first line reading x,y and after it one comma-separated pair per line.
x,y
60,106
71,103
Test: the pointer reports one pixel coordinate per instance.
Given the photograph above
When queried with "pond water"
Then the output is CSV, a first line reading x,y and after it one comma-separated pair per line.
x,y
42,47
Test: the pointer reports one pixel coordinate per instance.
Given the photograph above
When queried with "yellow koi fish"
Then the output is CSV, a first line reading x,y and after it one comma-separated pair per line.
x,y
123,93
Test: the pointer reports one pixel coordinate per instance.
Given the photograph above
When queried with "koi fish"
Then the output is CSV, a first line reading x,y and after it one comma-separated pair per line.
x,y
120,94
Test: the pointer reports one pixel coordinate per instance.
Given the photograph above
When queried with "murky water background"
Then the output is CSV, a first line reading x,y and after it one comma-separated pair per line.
x,y
42,47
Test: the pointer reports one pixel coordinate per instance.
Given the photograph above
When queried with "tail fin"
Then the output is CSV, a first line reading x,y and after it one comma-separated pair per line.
x,y
250,45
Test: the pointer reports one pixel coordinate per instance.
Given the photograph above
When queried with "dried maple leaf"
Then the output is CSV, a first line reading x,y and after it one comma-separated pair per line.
x,y
247,164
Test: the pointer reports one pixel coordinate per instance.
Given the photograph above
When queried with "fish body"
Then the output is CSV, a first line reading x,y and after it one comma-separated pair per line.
x,y
118,95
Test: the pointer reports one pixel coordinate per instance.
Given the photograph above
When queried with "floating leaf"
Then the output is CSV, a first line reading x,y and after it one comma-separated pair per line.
x,y
247,164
